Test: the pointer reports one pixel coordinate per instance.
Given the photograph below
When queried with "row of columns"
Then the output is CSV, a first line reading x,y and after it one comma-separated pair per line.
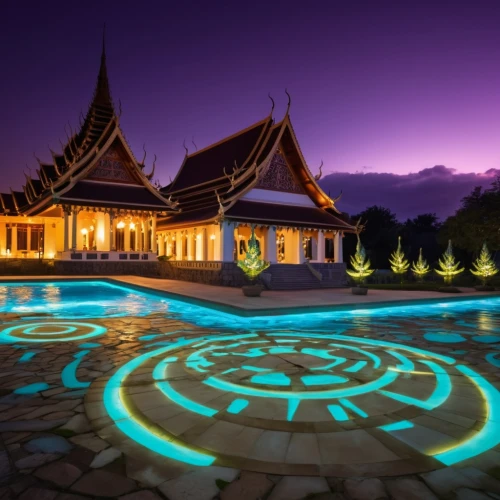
x,y
148,228
270,251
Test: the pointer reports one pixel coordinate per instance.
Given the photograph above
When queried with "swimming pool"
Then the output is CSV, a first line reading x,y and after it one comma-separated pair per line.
x,y
102,299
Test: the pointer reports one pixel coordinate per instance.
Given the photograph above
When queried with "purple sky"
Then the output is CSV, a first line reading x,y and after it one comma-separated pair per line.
x,y
394,87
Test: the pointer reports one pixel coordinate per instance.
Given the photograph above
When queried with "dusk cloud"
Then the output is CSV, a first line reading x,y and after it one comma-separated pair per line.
x,y
438,189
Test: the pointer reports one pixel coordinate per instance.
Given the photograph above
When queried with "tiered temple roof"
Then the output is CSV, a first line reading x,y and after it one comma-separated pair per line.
x,y
211,183
95,168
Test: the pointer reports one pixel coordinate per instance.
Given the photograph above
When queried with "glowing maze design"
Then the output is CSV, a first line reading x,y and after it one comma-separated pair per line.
x,y
50,331
297,383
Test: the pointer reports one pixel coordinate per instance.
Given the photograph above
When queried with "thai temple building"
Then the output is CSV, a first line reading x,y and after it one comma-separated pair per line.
x,y
94,201
255,178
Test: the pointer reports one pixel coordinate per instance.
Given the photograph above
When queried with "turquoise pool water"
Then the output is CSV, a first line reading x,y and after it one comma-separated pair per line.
x,y
99,299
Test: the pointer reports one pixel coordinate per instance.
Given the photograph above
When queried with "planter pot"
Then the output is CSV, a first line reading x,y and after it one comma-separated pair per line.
x,y
449,289
485,288
359,290
252,290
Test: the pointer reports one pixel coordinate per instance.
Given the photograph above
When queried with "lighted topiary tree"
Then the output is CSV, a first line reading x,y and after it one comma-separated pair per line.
x,y
449,266
252,265
360,264
484,265
399,263
420,268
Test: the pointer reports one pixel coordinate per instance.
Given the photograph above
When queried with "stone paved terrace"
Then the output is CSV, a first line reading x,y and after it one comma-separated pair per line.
x,y
95,417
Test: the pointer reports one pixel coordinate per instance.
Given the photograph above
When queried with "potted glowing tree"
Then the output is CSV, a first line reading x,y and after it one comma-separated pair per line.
x,y
361,269
485,268
420,268
252,265
450,268
399,263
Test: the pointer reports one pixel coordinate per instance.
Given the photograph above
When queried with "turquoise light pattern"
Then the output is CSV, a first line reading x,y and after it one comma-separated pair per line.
x,y
237,406
397,426
271,379
338,413
437,398
252,377
494,359
449,338
32,388
27,356
487,339
118,411
489,436
355,409
68,375
61,332
309,380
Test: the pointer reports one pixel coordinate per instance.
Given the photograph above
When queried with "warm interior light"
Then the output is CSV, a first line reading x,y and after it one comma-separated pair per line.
x,y
212,237
84,231
120,225
132,226
50,255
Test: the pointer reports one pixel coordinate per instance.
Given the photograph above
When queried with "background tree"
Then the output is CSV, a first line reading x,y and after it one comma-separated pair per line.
x,y
476,221
361,268
450,267
422,232
420,268
379,235
484,265
399,263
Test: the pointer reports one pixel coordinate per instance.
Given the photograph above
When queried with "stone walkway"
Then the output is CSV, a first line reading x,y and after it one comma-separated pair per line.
x,y
99,406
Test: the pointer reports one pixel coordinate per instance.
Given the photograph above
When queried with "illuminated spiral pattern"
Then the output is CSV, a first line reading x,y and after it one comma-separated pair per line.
x,y
51,331
295,384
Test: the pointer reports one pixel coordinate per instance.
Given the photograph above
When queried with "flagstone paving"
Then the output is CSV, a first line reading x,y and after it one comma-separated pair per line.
x,y
59,441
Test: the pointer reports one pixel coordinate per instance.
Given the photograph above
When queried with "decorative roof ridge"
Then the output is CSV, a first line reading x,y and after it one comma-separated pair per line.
x,y
211,181
311,176
232,136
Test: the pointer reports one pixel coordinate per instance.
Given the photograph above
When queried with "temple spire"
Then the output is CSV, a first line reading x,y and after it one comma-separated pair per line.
x,y
102,94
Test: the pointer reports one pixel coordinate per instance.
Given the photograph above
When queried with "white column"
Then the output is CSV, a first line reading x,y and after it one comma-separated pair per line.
x,y
13,245
204,244
300,258
337,247
66,230
74,229
190,244
154,246
112,245
227,241
178,245
271,249
321,246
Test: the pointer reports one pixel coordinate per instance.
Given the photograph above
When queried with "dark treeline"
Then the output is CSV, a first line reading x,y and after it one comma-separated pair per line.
x,y
475,222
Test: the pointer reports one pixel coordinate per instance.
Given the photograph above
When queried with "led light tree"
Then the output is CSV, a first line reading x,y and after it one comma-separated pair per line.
x,y
484,265
399,263
449,266
252,265
420,268
360,264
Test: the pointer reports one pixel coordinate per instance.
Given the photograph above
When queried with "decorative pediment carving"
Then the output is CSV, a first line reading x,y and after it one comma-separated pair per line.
x,y
111,167
278,177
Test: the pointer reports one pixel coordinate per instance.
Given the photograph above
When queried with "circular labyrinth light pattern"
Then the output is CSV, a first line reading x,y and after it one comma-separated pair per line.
x,y
51,331
296,384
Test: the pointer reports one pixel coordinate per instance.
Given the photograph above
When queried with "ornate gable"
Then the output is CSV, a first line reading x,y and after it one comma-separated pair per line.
x,y
278,176
111,168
